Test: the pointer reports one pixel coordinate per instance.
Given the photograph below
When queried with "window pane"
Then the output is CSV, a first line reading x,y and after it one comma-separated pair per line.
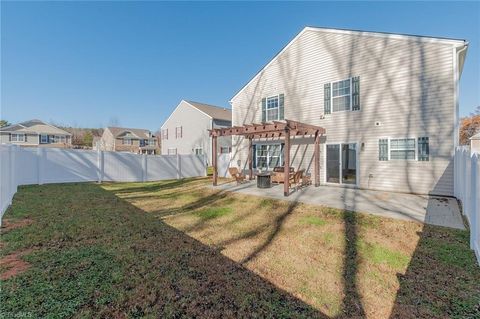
x,y
349,163
341,103
402,154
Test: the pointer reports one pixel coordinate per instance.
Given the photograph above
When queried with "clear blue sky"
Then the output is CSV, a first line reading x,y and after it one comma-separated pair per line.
x,y
89,64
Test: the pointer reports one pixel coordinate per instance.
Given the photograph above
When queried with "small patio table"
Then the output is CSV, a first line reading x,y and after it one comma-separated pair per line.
x,y
264,180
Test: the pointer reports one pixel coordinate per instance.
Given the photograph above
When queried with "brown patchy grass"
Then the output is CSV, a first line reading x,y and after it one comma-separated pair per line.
x,y
180,249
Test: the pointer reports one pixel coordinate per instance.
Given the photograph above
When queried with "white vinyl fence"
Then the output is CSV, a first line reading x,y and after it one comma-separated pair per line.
x,y
37,165
467,190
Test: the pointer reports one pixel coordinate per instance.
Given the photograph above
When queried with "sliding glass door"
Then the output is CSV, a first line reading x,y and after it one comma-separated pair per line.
x,y
341,162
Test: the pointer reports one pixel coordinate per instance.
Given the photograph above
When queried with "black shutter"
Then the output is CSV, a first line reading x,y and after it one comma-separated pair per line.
x,y
281,100
254,155
356,93
326,98
423,149
264,110
383,150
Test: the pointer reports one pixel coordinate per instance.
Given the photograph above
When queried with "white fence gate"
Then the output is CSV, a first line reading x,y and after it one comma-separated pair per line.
x,y
37,165
467,190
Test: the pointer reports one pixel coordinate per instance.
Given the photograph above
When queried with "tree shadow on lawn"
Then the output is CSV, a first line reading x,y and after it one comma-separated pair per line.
x,y
164,272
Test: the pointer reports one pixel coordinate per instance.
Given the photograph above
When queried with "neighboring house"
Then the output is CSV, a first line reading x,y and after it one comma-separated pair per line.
x,y
134,140
186,129
35,133
475,143
388,103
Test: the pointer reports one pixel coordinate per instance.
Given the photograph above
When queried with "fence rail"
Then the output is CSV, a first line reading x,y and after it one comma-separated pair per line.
x,y
467,190
37,165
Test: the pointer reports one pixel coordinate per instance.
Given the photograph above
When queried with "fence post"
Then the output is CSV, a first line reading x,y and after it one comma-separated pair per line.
x,y
12,168
144,167
179,167
100,165
40,164
473,200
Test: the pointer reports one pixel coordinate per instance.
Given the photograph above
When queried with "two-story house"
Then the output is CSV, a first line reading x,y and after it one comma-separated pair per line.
x,y
388,104
134,140
186,129
35,133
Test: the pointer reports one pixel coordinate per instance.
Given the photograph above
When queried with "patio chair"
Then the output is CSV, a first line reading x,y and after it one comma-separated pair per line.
x,y
296,179
239,177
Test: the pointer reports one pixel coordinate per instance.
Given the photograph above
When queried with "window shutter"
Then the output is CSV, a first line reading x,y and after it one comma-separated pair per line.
x,y
264,110
326,98
10,137
254,155
281,99
181,131
356,93
383,150
423,149
167,133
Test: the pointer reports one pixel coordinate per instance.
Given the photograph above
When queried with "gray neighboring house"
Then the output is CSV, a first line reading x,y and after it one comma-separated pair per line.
x,y
35,133
388,103
122,139
186,129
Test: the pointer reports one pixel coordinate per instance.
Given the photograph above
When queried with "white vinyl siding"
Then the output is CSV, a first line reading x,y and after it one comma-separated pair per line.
x,y
406,86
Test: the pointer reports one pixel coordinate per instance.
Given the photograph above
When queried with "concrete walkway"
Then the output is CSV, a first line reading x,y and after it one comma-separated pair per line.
x,y
441,211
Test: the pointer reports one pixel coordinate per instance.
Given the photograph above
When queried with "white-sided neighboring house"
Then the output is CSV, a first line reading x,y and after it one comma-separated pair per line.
x,y
475,143
122,139
388,104
186,129
35,133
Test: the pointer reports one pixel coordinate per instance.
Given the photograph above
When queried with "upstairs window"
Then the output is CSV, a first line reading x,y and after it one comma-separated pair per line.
x,y
273,108
165,134
342,95
17,137
127,141
178,132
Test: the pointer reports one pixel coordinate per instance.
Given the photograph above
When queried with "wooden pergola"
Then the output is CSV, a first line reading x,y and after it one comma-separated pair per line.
x,y
276,129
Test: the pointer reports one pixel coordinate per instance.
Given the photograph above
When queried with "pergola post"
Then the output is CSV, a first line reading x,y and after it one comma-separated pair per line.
x,y
316,152
286,168
250,161
214,160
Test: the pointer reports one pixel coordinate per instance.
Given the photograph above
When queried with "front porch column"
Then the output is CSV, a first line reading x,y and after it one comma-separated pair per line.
x,y
250,161
317,159
214,160
286,168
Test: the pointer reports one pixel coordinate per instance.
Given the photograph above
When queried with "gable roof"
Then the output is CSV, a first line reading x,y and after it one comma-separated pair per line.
x,y
401,36
138,132
34,126
215,112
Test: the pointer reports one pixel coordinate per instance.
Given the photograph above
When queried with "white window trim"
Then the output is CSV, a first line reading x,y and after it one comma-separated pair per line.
x,y
41,139
23,140
176,132
281,157
357,166
278,108
406,149
331,96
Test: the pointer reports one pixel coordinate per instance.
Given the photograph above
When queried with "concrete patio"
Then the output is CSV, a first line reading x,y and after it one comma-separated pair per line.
x,y
440,211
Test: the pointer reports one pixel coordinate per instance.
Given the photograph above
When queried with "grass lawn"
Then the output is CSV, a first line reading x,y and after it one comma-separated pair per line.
x,y
180,249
